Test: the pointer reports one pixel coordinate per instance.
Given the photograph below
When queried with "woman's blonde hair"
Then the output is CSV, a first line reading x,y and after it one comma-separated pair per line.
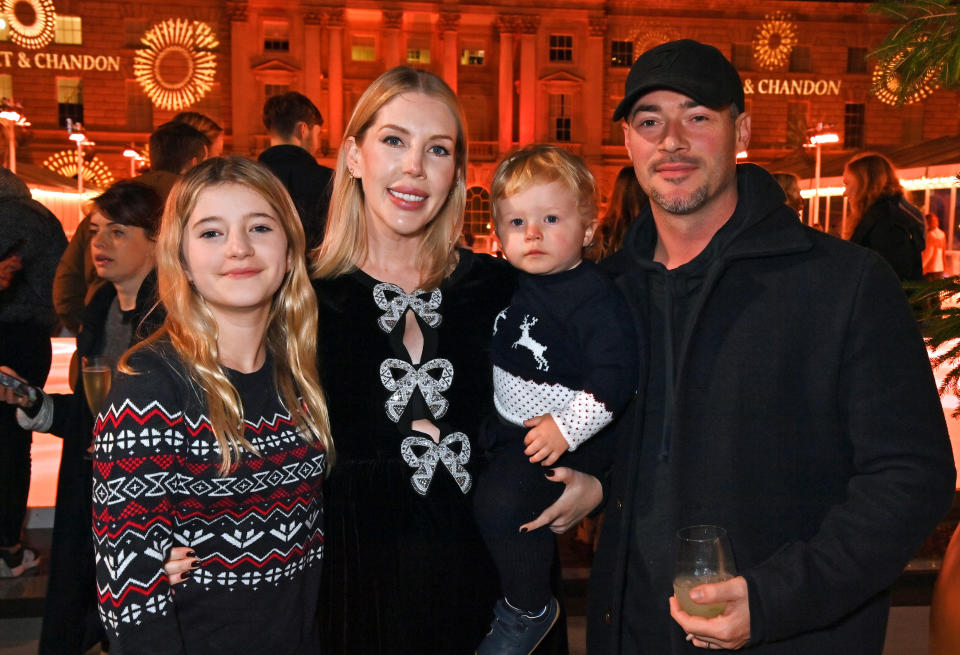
x,y
344,245
543,164
291,325
875,178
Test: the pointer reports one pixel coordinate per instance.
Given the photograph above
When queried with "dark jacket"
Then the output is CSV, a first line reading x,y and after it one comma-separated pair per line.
x,y
71,624
803,417
895,229
30,230
308,183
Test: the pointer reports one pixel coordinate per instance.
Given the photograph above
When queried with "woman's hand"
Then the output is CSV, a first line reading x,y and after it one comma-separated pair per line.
x,y
7,394
583,493
181,562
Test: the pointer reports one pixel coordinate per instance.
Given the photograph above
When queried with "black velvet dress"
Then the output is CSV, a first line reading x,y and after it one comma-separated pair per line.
x,y
405,569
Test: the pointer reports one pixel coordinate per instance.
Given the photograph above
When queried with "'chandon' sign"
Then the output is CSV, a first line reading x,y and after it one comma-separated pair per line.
x,y
790,87
54,61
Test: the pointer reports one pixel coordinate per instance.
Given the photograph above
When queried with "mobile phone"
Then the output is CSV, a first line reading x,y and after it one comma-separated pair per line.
x,y
20,388
14,248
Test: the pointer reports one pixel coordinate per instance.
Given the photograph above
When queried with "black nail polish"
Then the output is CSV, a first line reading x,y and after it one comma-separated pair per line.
x,y
185,575
549,473
523,530
195,564
191,554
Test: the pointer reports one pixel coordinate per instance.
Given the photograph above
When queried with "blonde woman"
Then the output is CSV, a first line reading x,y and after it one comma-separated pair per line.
x,y
215,434
405,325
880,218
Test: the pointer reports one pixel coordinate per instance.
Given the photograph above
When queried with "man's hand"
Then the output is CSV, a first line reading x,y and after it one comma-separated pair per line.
x,y
583,492
8,269
545,442
730,630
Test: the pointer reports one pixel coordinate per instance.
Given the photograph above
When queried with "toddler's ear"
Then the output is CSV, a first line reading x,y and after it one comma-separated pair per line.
x,y
588,233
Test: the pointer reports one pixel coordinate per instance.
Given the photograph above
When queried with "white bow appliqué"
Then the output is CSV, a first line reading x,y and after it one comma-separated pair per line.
x,y
426,463
399,300
414,378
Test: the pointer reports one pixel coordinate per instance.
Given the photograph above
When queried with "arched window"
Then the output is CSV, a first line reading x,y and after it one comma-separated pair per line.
x,y
477,216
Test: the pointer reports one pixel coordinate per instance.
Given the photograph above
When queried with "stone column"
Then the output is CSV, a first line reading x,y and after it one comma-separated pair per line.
x,y
312,65
335,23
447,24
506,27
392,24
594,120
528,79
240,79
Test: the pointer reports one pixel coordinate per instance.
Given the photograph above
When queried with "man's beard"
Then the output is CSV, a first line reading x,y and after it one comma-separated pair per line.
x,y
680,206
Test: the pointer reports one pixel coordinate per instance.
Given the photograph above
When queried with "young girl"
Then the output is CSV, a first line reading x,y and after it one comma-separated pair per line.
x,y
215,433
563,364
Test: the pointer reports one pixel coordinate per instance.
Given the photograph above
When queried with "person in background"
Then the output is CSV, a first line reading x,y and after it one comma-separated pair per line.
x,y
174,149
880,217
790,184
933,254
626,201
210,128
123,226
215,435
293,123
31,241
803,417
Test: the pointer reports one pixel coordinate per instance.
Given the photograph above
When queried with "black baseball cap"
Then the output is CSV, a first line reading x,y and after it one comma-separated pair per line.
x,y
694,69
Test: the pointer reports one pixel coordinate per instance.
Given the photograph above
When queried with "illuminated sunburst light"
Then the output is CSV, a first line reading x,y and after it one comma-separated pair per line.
x,y
94,170
38,33
176,41
774,40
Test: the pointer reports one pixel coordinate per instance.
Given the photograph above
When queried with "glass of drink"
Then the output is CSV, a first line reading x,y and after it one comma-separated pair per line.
x,y
703,555
96,382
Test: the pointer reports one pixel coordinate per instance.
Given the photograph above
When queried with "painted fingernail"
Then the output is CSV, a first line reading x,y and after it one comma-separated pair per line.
x,y
549,473
523,530
191,554
185,575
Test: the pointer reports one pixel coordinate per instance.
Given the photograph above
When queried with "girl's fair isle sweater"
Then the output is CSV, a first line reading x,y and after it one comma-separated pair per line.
x,y
257,530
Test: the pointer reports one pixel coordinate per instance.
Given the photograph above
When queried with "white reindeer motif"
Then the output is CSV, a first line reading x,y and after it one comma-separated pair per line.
x,y
532,344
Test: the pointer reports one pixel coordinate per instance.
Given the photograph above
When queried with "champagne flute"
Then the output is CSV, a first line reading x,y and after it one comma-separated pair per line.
x,y
96,382
703,555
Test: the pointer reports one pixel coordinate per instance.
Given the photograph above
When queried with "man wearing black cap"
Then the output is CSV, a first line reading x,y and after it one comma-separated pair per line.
x,y
786,396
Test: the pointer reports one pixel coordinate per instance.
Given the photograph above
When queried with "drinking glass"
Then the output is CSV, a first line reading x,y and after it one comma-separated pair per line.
x,y
703,555
96,381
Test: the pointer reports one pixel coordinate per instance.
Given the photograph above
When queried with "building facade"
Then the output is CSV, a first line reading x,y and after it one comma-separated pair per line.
x,y
539,71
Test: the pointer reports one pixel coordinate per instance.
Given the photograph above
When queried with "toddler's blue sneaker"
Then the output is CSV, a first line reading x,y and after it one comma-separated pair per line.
x,y
514,633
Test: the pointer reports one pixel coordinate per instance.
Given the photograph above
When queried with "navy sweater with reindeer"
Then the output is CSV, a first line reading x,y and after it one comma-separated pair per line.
x,y
565,347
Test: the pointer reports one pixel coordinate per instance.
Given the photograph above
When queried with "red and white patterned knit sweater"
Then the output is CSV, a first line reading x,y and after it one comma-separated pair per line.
x,y
258,530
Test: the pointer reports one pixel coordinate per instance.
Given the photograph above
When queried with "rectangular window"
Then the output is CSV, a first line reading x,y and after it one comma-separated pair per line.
x,y
6,87
621,54
561,47
853,124
741,55
560,117
5,32
856,60
139,108
472,58
276,36
363,48
800,59
418,50
69,100
69,30
797,124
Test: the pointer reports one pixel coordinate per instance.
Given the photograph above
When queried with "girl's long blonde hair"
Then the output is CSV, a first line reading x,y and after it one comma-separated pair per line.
x,y
344,244
291,325
876,178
